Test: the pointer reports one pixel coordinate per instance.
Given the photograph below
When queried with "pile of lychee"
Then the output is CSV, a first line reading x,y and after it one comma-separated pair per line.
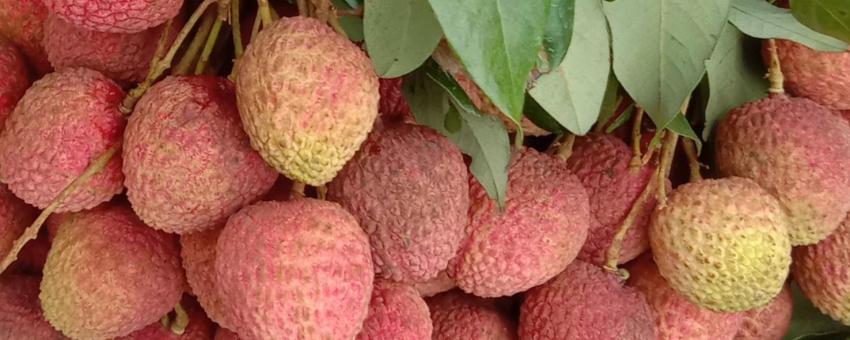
x,y
196,223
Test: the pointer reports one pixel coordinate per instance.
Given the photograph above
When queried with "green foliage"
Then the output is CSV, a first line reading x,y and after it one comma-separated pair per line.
x,y
400,35
759,19
353,27
558,33
540,117
831,17
809,323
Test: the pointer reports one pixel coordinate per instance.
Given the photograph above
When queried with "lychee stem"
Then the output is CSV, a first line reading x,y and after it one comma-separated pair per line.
x,y
302,8
566,148
196,44
32,231
355,12
181,320
298,189
211,40
693,161
635,162
237,30
264,12
668,149
322,192
774,71
612,256
255,28
647,157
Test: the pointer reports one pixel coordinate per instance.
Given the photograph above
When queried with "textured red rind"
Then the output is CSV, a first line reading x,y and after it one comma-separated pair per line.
x,y
392,106
198,253
456,315
224,334
22,22
396,312
823,77
107,265
116,16
796,149
407,187
585,302
15,216
199,327
188,164
307,272
823,273
770,322
20,313
63,122
540,231
15,78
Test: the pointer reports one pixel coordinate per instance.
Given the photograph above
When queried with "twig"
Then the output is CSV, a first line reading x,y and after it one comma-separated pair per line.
x,y
255,28
612,256
302,8
636,160
264,13
181,320
774,71
566,148
322,192
198,41
693,160
356,12
235,27
298,189
208,46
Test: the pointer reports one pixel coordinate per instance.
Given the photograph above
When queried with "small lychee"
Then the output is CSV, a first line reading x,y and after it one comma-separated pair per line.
x,y
15,216
823,272
396,312
116,16
823,77
770,322
22,22
15,78
461,316
198,253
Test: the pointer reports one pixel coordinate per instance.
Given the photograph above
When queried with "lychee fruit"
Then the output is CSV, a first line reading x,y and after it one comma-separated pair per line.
x,y
675,316
396,312
823,77
722,243
199,327
307,96
22,22
224,334
296,269
392,105
124,57
456,315
63,122
407,187
188,164
798,151
198,253
20,313
439,284
15,80
15,216
109,267
770,322
823,272
540,231
601,162
585,302
121,16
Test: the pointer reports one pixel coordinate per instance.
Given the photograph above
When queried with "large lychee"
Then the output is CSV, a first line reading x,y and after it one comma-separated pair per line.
x,y
188,164
197,326
396,312
15,79
461,316
585,302
601,162
106,265
770,322
799,151
63,122
407,186
22,22
20,313
122,57
823,273
722,243
823,77
307,96
296,269
117,16
15,216
675,316
540,231
198,253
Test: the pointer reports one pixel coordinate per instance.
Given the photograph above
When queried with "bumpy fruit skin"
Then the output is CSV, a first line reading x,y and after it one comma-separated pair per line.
x,y
22,22
107,265
198,253
307,96
460,316
770,322
224,334
407,187
20,313
823,273
62,123
122,57
15,216
188,164
396,312
309,266
439,284
675,316
601,162
722,243
116,16
799,151
198,328
392,106
585,302
823,77
15,79
540,231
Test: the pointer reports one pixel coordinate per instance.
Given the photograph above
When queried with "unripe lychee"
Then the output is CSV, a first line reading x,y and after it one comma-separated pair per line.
x,y
199,327
296,269
823,77
198,253
585,302
63,122
117,16
770,322
20,313
407,187
540,231
110,267
22,22
601,162
396,312
307,96
188,164
461,316
15,79
15,216
675,316
798,151
439,284
823,272
722,243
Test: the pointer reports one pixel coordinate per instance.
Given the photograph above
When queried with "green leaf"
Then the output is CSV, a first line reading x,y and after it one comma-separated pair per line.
x,y
735,75
559,31
353,27
809,323
830,17
353,3
400,35
540,117
623,118
759,19
680,125
660,48
573,92
497,43
610,100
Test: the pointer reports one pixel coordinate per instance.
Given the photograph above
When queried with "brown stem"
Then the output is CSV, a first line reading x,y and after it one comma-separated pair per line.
x,y
668,149
693,161
298,189
612,256
237,29
322,192
32,231
774,71
566,148
255,28
356,12
181,320
264,12
208,46
198,41
650,151
636,162
302,8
